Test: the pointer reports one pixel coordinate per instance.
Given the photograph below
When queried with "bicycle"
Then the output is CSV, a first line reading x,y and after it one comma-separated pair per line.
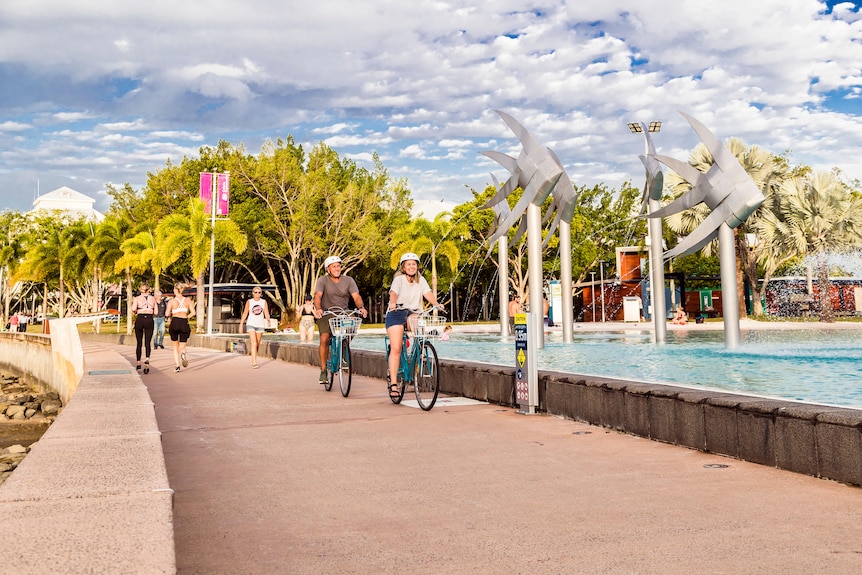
x,y
419,364
343,327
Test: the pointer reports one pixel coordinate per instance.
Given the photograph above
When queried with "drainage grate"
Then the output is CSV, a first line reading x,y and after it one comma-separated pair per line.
x,y
581,432
715,466
109,372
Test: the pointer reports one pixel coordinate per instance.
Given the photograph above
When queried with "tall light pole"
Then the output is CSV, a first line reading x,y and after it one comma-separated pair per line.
x,y
593,293
652,197
217,197
602,287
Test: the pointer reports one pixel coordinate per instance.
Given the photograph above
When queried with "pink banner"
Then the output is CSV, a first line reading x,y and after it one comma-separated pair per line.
x,y
223,194
206,190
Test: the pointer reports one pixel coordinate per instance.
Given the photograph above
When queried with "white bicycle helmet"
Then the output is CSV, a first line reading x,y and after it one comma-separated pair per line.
x,y
409,256
331,260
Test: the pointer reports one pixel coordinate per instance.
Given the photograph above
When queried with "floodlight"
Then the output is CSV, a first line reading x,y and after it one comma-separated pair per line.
x,y
635,128
655,126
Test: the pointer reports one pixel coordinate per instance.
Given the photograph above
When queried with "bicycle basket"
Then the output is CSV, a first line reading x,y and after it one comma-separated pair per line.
x,y
428,327
344,326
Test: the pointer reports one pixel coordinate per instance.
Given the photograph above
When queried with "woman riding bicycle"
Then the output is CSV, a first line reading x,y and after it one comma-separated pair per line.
x,y
405,299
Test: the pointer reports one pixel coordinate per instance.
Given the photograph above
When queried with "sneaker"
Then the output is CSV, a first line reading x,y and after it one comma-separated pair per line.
x,y
147,365
177,369
323,378
185,361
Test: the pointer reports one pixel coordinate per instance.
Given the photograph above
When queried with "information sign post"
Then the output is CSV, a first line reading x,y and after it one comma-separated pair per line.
x,y
526,369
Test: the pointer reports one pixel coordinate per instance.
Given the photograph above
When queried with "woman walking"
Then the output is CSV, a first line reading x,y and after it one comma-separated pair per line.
x,y
143,306
180,309
257,312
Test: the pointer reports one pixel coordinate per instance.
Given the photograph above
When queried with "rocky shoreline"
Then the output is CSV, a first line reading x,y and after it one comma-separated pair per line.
x,y
25,414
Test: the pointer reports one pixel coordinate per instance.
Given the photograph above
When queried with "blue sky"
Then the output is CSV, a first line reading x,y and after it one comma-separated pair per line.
x,y
94,93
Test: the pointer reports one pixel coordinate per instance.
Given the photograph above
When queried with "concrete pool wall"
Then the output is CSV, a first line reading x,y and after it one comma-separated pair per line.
x,y
817,440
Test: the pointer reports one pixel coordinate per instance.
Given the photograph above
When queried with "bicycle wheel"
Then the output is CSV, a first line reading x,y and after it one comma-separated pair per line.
x,y
345,374
426,376
330,375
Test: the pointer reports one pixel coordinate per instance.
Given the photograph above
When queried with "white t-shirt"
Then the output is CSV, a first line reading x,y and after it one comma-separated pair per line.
x,y
410,294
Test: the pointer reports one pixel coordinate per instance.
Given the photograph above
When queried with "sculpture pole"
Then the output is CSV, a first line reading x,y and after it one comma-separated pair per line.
x,y
534,269
568,319
503,264
729,285
656,273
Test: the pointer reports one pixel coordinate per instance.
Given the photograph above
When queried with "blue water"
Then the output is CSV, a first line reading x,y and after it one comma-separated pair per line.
x,y
804,365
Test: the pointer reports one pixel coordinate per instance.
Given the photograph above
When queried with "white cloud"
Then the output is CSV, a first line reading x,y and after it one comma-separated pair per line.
x,y
132,85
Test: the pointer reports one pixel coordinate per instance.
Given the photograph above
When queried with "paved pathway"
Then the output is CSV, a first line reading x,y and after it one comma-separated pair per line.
x,y
274,475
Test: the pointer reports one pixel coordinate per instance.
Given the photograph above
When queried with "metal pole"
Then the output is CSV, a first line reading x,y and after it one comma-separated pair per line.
x,y
593,293
534,269
213,200
503,279
566,279
729,293
656,270
602,284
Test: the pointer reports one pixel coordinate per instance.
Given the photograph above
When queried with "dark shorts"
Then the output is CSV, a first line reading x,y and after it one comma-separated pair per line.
x,y
179,329
397,317
323,323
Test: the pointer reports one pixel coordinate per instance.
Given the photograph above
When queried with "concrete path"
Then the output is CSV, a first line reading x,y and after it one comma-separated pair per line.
x,y
274,475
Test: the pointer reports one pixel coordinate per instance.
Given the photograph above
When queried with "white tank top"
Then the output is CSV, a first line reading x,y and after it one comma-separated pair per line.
x,y
256,318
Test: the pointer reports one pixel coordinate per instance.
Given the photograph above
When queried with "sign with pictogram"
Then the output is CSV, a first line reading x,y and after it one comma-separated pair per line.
x,y
526,374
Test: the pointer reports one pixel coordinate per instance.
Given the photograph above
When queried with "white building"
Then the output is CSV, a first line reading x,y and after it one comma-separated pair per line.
x,y
67,200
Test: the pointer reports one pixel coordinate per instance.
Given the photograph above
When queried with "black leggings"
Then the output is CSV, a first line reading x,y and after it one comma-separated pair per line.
x,y
143,331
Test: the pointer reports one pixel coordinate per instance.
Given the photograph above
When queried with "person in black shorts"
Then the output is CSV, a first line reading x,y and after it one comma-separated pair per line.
x,y
180,309
143,305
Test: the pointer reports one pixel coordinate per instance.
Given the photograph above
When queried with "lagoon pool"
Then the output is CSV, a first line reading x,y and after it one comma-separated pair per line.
x,y
810,365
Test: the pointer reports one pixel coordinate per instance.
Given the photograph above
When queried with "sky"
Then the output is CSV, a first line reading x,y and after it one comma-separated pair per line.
x,y
95,93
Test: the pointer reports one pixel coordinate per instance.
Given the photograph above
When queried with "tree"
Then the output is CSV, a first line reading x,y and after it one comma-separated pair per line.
x,y
820,215
10,254
106,249
430,238
57,255
190,234
298,210
142,254
767,172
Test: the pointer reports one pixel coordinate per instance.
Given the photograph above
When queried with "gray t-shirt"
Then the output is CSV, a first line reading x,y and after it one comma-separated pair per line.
x,y
335,294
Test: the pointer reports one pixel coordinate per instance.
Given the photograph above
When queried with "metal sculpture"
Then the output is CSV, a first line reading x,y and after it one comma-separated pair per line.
x,y
501,212
538,171
732,196
650,202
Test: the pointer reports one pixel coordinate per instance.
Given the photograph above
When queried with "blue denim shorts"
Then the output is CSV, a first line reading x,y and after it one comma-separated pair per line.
x,y
397,317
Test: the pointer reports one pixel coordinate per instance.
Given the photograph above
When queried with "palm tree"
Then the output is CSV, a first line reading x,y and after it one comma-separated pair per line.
x,y
141,249
191,233
429,238
106,248
13,225
767,174
821,215
59,256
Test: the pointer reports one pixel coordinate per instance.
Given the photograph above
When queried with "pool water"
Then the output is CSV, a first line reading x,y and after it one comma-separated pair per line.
x,y
813,366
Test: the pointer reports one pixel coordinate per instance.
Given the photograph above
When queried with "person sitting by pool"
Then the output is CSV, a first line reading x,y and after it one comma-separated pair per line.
x,y
680,317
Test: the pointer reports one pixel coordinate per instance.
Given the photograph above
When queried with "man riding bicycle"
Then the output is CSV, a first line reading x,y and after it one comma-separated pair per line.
x,y
332,290
405,300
